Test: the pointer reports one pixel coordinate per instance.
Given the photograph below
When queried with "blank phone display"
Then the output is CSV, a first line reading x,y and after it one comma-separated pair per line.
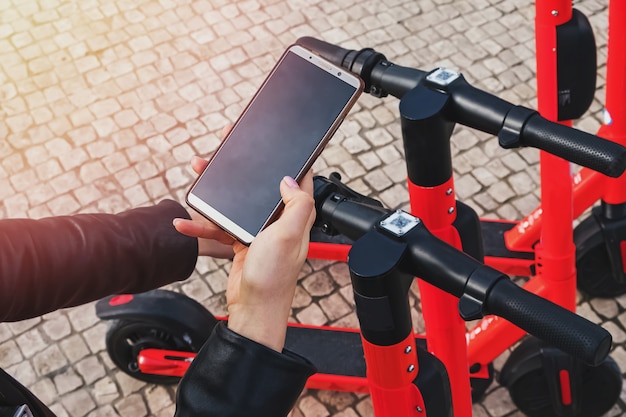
x,y
274,137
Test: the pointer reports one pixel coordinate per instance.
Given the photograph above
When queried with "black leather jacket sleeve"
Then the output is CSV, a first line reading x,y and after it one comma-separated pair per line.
x,y
65,261
233,376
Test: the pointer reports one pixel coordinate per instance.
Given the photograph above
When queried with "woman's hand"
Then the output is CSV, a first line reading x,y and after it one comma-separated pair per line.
x,y
263,277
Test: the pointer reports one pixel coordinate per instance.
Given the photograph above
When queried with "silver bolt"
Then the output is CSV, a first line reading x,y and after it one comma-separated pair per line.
x,y
451,210
408,349
411,368
449,191
418,409
555,13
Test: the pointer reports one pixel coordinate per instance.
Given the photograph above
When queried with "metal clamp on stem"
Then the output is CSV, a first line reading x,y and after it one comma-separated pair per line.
x,y
479,283
510,133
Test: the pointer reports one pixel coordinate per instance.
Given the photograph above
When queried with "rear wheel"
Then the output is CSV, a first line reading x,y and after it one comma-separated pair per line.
x,y
596,389
125,339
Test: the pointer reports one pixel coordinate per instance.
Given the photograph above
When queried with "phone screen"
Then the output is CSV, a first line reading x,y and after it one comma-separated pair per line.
x,y
275,136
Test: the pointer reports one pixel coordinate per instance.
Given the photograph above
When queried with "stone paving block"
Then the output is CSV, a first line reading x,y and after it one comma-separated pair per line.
x,y
335,306
301,298
23,372
67,381
311,407
466,186
364,407
318,284
377,180
158,399
45,390
31,342
5,333
105,391
78,403
526,204
49,360
313,315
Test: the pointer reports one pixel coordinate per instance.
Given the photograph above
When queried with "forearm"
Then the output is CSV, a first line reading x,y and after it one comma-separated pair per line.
x,y
66,261
233,376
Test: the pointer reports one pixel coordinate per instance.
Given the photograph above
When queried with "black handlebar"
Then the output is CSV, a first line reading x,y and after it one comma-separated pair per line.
x,y
516,126
575,145
381,77
482,290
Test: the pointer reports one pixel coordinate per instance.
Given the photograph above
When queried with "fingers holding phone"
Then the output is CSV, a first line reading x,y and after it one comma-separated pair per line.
x,y
214,241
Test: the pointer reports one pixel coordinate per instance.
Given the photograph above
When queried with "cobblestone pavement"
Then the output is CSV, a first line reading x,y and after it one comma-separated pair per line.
x,y
104,102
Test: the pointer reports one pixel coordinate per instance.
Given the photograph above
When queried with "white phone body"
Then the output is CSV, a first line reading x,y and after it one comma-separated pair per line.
x,y
280,133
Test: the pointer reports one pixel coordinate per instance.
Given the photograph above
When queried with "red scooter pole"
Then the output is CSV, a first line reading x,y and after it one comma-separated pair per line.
x,y
445,329
614,127
555,252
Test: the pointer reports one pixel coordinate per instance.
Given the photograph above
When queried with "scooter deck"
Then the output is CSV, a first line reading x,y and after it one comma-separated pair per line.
x,y
336,353
331,351
493,239
498,255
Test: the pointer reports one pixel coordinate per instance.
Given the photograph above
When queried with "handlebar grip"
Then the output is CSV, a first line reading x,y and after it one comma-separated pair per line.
x,y
328,51
574,145
563,329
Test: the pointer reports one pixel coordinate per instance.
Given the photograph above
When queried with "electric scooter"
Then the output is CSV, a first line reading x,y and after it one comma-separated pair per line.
x,y
540,244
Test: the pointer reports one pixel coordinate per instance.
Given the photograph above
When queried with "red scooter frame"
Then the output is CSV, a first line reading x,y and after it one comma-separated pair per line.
x,y
546,232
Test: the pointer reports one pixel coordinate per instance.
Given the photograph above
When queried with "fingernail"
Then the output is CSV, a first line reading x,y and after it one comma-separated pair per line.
x,y
291,183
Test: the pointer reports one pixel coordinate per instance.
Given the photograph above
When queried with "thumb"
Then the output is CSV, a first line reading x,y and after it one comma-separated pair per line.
x,y
299,204
291,192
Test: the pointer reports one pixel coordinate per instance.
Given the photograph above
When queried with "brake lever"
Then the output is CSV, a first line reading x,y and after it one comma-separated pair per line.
x,y
349,193
324,187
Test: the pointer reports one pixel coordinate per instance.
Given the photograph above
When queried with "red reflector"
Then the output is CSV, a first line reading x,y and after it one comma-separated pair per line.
x,y
121,299
566,392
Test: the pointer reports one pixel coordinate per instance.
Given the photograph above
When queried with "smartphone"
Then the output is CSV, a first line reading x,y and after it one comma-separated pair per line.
x,y
281,132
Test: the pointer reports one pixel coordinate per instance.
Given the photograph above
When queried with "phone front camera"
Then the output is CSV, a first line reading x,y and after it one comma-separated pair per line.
x,y
339,74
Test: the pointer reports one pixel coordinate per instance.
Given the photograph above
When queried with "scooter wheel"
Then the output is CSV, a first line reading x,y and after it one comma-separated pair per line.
x,y
594,274
524,374
125,339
